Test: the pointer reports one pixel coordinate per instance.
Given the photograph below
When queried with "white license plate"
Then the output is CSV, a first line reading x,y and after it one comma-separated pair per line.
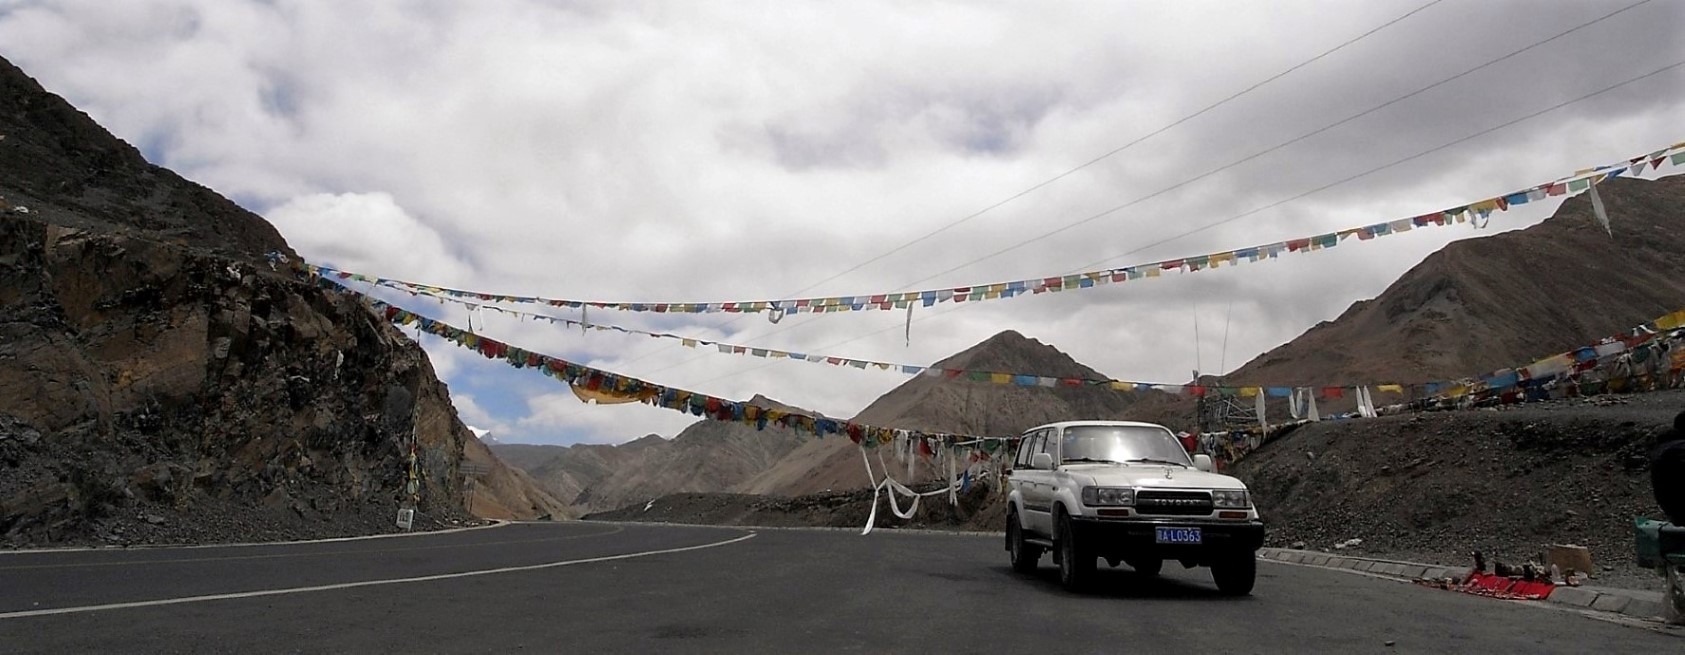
x,y
1178,535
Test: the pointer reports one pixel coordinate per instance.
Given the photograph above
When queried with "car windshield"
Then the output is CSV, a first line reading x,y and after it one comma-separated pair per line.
x,y
1112,443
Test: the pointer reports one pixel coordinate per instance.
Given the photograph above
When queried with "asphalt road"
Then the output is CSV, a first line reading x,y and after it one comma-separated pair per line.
x,y
592,587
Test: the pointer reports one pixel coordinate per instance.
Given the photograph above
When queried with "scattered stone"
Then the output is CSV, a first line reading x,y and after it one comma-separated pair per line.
x,y
154,519
1298,545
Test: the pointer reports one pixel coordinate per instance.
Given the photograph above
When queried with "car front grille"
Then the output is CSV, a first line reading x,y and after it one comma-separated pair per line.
x,y
1173,503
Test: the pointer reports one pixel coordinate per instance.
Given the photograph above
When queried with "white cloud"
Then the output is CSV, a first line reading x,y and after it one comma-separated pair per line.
x,y
446,357
552,413
716,152
469,410
340,228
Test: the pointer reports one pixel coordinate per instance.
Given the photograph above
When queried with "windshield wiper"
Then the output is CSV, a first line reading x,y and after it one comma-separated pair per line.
x,y
1149,460
1091,459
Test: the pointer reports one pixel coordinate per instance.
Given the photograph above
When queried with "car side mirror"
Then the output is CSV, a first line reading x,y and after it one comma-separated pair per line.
x,y
1202,462
1041,461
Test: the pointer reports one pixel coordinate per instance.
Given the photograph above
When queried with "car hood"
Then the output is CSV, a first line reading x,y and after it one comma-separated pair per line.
x,y
1149,475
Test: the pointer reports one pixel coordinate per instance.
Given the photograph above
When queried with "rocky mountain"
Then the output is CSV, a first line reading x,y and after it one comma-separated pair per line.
x,y
1483,304
957,406
1487,303
566,471
498,490
720,457
526,456
161,381
707,456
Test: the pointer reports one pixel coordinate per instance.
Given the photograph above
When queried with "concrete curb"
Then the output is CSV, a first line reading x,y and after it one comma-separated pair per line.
x,y
1631,603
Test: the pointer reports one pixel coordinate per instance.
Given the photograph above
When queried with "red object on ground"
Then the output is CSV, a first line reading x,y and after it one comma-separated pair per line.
x,y
1486,584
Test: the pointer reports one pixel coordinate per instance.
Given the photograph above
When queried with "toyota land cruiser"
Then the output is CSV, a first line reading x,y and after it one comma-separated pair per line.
x,y
1127,492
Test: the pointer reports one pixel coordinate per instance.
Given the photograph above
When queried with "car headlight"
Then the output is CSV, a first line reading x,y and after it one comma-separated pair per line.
x,y
1108,496
1230,499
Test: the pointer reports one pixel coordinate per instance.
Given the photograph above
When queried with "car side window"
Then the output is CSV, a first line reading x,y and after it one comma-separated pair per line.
x,y
1050,443
1033,446
1024,444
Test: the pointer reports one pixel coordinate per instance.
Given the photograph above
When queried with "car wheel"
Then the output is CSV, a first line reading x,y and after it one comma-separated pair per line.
x,y
1025,556
1148,566
1076,564
1235,575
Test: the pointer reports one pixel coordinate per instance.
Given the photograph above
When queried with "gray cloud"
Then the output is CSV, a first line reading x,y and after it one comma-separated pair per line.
x,y
689,152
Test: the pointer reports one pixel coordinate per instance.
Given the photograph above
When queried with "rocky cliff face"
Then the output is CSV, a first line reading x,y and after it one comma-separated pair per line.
x,y
159,381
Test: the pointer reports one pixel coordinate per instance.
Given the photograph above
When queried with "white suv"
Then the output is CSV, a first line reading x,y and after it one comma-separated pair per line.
x,y
1127,492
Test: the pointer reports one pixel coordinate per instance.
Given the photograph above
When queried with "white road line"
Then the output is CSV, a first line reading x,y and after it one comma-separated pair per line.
x,y
320,553
353,585
808,528
496,523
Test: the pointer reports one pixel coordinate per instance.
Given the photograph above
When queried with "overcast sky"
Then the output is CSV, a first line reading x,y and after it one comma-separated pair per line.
x,y
729,151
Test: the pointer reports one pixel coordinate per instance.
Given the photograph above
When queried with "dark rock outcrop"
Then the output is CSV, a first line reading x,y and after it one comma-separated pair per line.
x,y
161,381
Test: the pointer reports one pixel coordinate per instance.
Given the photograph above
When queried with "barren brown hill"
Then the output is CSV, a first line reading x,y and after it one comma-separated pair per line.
x,y
1483,304
707,456
154,366
524,456
956,406
1488,303
503,491
568,470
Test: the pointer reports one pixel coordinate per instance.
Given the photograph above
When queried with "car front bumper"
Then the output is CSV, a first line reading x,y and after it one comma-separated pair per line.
x,y
1139,536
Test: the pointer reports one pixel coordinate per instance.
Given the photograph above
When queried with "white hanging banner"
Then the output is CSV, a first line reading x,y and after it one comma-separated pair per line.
x,y
1597,208
909,334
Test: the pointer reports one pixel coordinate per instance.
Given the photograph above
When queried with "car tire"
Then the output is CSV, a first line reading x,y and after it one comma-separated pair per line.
x,y
1025,555
1235,575
1076,563
1146,566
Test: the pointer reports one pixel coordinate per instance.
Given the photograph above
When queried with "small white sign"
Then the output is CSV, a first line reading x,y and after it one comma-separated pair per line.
x,y
406,518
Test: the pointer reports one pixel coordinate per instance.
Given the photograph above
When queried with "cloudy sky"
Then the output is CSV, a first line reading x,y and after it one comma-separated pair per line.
x,y
690,151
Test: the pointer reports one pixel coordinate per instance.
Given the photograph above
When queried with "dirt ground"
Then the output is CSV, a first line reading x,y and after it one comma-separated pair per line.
x,y
1506,481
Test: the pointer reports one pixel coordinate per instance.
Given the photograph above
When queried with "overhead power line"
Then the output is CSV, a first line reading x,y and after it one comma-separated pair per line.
x,y
1044,183
1097,216
1376,169
1115,151
1284,144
